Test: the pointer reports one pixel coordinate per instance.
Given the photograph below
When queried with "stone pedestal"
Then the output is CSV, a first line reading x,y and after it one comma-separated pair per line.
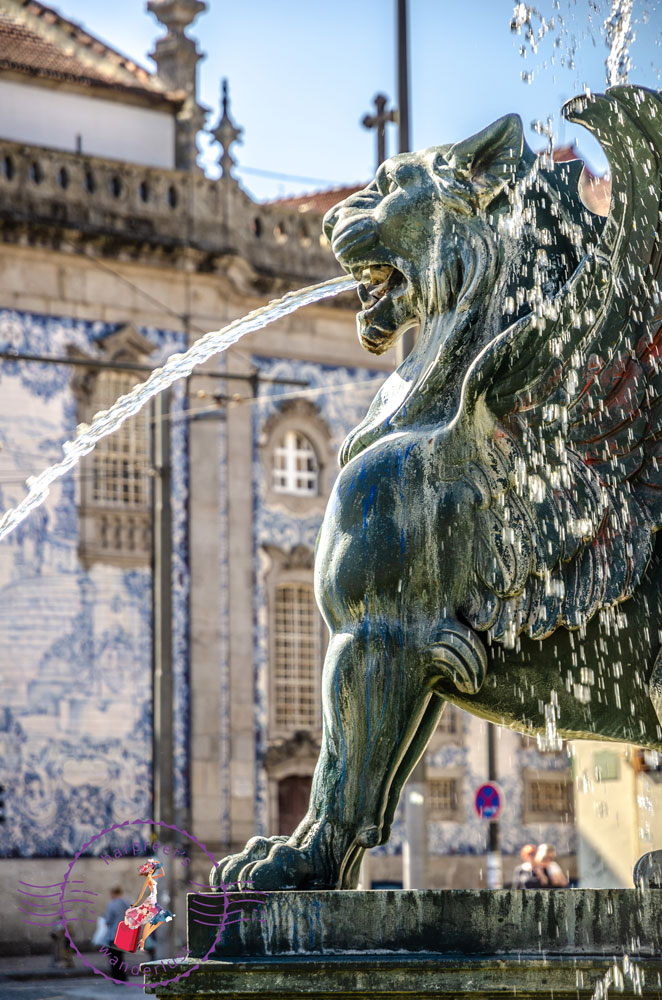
x,y
416,944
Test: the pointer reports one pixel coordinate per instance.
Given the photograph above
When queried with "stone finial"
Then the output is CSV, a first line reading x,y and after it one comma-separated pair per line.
x,y
176,57
226,134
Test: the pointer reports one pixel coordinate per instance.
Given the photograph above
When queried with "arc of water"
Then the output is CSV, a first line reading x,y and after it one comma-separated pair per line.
x,y
177,366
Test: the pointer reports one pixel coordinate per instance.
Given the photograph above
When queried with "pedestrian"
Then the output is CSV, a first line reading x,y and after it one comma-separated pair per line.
x,y
533,874
522,872
62,951
546,860
113,915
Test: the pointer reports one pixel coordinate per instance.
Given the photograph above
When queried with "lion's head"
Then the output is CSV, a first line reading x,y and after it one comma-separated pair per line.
x,y
424,238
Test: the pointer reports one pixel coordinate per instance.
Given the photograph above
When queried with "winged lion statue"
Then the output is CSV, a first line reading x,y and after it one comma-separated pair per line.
x,y
491,537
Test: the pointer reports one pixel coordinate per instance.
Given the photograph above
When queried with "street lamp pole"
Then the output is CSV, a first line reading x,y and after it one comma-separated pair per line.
x,y
163,770
403,77
414,860
494,858
407,340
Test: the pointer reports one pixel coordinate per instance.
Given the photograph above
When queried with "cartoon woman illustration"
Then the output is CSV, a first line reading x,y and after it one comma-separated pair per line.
x,y
150,913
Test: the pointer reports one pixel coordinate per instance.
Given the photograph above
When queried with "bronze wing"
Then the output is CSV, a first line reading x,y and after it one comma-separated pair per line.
x,y
571,484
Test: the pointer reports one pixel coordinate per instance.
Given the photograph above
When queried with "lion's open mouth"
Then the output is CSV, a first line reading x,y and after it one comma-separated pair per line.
x,y
376,281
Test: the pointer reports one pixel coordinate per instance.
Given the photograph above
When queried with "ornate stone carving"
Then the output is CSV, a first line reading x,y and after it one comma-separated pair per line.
x,y
300,747
300,557
226,134
505,486
176,57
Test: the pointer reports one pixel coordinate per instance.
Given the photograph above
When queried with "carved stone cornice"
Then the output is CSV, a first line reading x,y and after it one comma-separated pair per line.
x,y
303,411
300,746
171,218
300,557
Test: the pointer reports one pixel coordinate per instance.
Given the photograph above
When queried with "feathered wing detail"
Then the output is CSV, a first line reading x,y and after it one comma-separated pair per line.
x,y
572,486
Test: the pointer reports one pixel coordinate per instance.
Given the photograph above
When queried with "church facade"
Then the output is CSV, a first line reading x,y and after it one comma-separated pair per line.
x,y
116,251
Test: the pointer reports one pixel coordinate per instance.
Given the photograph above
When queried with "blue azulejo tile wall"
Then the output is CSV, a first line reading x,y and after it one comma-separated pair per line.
x,y
75,643
341,396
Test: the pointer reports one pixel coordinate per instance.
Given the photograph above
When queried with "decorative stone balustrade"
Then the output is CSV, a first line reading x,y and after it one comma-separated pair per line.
x,y
152,208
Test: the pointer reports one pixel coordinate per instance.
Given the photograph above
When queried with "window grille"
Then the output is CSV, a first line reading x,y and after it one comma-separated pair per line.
x,y
297,654
295,466
115,488
443,798
449,723
120,461
548,798
450,729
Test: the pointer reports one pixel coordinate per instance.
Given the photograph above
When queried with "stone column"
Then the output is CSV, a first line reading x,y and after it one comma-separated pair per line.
x,y
176,57
415,845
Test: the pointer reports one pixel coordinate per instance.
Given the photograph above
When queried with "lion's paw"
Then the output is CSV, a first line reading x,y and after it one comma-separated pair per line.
x,y
274,863
285,868
227,871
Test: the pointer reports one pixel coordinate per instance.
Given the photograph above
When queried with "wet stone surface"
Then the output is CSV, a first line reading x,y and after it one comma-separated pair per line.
x,y
431,943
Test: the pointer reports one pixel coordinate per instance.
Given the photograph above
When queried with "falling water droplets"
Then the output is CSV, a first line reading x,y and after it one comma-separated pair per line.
x,y
550,741
618,29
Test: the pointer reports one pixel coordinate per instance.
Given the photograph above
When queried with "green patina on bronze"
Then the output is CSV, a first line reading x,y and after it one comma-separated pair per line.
x,y
498,504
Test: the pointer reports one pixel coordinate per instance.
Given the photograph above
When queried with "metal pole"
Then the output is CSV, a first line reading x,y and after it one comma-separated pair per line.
x,y
403,77
494,859
414,854
408,339
162,656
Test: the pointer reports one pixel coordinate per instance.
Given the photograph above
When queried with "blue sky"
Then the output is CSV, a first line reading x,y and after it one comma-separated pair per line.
x,y
303,73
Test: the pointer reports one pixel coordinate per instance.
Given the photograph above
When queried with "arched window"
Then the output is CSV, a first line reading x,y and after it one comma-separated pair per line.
x,y
297,656
295,466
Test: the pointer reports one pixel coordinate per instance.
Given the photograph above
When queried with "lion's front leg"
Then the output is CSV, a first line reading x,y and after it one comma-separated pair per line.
x,y
375,694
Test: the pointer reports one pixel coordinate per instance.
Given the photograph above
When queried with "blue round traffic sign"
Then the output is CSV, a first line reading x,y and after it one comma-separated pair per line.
x,y
488,800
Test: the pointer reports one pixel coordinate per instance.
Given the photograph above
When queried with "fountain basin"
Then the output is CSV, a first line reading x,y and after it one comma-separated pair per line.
x,y
533,943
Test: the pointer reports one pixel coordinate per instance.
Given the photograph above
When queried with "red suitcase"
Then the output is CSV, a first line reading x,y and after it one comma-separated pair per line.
x,y
126,938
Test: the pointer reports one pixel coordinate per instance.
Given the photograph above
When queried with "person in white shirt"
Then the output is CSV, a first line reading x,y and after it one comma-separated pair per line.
x,y
546,859
523,871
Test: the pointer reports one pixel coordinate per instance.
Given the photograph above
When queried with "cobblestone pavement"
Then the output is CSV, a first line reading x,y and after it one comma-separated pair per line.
x,y
57,989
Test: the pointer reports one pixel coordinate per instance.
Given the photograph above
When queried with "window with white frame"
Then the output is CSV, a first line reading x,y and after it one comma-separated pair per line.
x,y
297,654
295,468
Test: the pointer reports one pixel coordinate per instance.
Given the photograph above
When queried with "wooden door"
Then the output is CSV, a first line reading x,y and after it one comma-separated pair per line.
x,y
293,795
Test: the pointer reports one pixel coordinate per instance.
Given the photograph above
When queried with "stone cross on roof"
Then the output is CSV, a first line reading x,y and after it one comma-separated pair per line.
x,y
226,134
379,121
